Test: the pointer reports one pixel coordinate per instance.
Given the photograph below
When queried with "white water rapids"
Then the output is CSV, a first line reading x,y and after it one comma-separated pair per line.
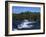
x,y
25,24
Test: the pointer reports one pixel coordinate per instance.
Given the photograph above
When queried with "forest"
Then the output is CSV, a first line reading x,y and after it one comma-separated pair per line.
x,y
33,16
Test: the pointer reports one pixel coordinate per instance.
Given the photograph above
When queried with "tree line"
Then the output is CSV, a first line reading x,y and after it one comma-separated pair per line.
x,y
34,16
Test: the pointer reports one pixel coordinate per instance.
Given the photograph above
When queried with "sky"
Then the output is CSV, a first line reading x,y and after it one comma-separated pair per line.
x,y
19,9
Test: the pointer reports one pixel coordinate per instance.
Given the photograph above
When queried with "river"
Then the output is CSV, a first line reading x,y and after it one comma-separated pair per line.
x,y
25,25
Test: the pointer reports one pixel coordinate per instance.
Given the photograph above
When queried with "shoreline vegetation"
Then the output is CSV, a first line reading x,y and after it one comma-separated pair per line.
x,y
31,16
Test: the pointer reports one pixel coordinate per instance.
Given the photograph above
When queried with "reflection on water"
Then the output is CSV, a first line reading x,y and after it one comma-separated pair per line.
x,y
25,25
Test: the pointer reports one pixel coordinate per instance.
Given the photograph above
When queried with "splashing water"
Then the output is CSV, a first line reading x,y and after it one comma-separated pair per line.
x,y
25,24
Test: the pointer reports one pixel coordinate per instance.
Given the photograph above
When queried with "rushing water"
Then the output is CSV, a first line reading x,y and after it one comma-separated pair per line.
x,y
25,25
